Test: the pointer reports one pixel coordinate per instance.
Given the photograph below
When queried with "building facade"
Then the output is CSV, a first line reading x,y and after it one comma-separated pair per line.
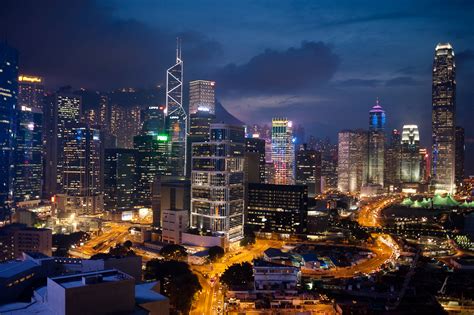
x,y
444,119
352,160
28,178
283,152
279,209
376,146
217,182
120,179
459,159
8,103
202,96
31,91
308,169
410,155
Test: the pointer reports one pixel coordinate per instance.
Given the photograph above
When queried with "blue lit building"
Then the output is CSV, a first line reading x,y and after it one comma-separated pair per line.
x,y
8,102
376,150
27,183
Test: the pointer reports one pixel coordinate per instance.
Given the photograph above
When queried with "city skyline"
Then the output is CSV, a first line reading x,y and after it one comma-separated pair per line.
x,y
361,63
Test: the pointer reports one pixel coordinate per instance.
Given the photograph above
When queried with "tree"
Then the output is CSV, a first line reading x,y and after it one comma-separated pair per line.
x,y
238,275
177,282
249,237
174,252
122,250
215,252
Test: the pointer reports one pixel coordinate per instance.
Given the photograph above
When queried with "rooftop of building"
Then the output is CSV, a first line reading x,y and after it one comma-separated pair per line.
x,y
12,268
264,263
81,279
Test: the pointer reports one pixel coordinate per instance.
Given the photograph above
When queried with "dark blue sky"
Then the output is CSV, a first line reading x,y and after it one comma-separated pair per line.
x,y
321,63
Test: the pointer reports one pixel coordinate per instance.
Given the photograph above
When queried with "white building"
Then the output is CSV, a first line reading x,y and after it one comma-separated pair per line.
x,y
217,182
202,96
270,276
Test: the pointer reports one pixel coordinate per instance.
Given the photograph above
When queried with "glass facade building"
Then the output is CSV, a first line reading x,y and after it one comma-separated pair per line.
x,y
278,209
352,160
119,179
28,178
444,118
376,145
202,96
283,151
410,154
8,105
217,182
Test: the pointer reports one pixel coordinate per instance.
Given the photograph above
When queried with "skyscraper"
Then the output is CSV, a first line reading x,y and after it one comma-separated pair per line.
x,y
308,169
176,118
257,146
459,159
352,160
217,182
410,154
283,152
392,161
8,103
31,91
202,96
67,114
81,164
376,145
444,118
27,183
119,179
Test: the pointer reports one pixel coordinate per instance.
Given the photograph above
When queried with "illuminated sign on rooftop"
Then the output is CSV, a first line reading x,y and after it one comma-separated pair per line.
x,y
30,79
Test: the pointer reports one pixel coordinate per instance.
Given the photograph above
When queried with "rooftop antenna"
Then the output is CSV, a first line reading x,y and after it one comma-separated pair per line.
x,y
178,49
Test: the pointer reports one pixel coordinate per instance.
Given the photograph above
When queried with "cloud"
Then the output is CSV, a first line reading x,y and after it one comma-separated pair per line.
x,y
82,42
370,83
464,57
311,64
401,81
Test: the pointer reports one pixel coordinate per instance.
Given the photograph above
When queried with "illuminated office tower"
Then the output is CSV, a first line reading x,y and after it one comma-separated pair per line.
x,y
202,96
152,151
410,154
459,157
392,161
217,182
8,103
119,179
283,151
30,91
308,169
256,146
176,118
424,166
444,119
376,146
27,183
352,160
153,118
67,114
81,169
125,123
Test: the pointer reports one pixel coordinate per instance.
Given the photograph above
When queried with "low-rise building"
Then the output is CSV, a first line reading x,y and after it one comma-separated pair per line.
x,y
174,223
15,239
271,277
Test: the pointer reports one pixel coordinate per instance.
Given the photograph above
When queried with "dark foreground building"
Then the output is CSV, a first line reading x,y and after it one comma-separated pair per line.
x,y
278,209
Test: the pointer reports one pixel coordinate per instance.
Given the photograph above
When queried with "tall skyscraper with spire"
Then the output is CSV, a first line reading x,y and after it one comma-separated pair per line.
x,y
375,175
176,117
444,118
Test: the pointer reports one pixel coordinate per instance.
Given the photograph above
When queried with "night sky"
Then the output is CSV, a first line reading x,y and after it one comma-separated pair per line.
x,y
320,63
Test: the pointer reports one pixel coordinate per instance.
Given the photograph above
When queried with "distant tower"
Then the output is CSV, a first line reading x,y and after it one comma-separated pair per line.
x,y
8,103
283,152
376,145
352,160
444,118
460,148
176,118
410,154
